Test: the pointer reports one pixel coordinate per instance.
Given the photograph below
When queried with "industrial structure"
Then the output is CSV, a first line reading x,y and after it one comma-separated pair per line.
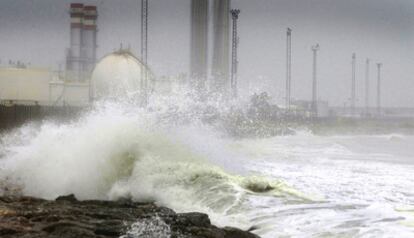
x,y
220,58
144,50
379,65
288,67
234,60
118,74
367,91
81,56
315,50
353,84
199,43
43,87
221,44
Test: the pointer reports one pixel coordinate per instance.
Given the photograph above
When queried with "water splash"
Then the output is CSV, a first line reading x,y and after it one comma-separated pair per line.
x,y
149,228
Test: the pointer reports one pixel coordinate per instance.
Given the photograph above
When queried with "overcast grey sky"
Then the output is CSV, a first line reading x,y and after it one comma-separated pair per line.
x,y
37,31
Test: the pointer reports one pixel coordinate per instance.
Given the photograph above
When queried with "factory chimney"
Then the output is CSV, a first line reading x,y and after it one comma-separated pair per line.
x,y
221,45
74,58
89,45
81,56
199,43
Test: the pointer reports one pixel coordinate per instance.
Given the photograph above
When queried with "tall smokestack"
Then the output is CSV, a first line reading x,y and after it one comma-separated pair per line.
x,y
89,45
74,57
221,52
199,42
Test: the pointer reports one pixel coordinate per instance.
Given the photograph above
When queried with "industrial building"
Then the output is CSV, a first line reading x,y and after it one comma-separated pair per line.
x,y
219,59
35,86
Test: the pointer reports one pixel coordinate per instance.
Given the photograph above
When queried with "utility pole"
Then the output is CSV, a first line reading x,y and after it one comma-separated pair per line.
x,y
379,65
288,67
367,63
353,96
234,60
144,49
315,49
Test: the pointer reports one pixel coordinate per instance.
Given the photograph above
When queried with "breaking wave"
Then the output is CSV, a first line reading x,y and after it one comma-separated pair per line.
x,y
165,154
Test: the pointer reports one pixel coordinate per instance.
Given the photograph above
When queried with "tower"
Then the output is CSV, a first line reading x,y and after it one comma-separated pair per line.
x,y
315,49
234,60
89,45
199,43
221,52
81,56
74,57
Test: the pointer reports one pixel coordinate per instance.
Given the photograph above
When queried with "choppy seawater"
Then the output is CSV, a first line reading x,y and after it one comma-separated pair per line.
x,y
359,186
288,186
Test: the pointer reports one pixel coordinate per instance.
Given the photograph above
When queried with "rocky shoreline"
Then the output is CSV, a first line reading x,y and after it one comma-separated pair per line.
x,y
66,217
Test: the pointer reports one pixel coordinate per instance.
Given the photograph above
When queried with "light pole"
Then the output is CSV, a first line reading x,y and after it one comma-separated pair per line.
x,y
144,50
367,87
315,50
353,96
379,65
288,67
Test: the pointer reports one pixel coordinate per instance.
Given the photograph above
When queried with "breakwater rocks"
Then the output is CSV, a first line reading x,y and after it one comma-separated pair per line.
x,y
66,217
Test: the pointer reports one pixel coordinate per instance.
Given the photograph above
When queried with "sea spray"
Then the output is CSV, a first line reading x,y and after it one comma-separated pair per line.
x,y
164,153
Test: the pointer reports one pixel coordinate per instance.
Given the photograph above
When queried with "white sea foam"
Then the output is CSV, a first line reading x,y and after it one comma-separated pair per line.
x,y
303,185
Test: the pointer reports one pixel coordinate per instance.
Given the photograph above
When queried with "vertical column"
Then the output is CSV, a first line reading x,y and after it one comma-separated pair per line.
x,y
89,45
234,60
353,96
367,63
288,66
199,43
379,65
221,51
73,60
315,49
144,50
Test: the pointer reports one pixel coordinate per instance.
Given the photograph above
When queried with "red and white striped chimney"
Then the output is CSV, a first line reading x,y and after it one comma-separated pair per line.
x,y
89,45
74,56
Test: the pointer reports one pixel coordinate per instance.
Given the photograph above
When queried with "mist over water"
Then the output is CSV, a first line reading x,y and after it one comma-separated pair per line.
x,y
174,154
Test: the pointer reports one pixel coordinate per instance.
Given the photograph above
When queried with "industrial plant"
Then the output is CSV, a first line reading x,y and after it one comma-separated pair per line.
x,y
214,65
206,118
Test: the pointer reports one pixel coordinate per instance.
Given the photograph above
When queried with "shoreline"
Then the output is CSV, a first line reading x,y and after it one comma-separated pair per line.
x,y
68,217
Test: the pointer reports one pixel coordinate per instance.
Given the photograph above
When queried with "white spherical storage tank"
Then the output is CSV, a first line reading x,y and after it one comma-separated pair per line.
x,y
119,75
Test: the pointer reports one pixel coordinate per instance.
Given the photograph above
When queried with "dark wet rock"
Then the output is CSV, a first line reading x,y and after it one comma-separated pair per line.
x,y
66,217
